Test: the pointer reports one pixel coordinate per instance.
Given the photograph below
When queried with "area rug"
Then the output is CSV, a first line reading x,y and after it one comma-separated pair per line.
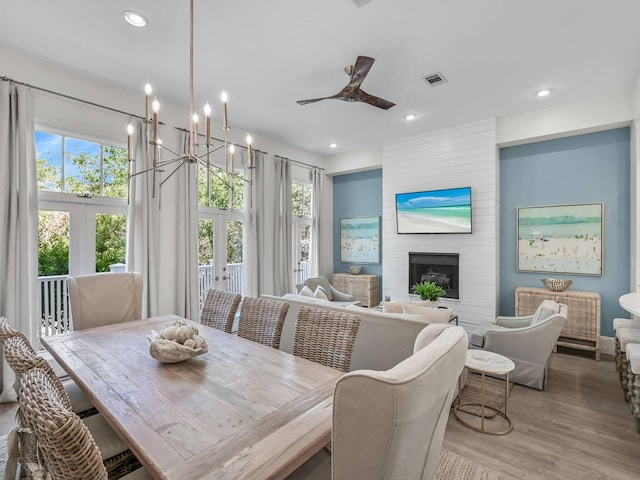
x,y
493,395
3,455
455,467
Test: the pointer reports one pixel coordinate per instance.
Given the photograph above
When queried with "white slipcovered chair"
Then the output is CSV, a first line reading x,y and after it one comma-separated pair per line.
x,y
527,340
390,424
332,293
105,298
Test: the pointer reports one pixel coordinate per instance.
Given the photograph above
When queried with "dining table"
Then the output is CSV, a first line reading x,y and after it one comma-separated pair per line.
x,y
240,411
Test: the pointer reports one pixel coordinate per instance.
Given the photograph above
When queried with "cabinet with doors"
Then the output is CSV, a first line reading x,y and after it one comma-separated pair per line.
x,y
365,288
582,328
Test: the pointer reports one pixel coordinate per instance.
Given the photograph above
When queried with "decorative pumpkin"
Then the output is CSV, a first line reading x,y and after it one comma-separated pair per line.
x,y
169,333
190,343
199,341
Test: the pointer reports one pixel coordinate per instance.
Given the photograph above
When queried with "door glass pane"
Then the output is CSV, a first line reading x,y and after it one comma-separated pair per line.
x,y
305,243
234,256
110,240
205,257
49,161
82,167
53,268
53,243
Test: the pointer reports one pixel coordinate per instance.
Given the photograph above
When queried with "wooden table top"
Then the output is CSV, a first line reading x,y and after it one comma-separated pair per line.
x,y
240,411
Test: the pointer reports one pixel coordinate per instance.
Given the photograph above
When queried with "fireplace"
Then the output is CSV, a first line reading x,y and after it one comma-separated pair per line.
x,y
441,268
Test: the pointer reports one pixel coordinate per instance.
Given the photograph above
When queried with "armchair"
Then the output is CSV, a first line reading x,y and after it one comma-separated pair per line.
x,y
527,340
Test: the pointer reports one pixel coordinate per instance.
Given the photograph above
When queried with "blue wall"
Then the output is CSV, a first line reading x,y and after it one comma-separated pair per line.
x,y
591,168
356,195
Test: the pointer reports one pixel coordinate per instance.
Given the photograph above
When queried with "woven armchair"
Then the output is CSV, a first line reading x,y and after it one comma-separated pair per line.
x,y
219,309
261,320
66,445
325,336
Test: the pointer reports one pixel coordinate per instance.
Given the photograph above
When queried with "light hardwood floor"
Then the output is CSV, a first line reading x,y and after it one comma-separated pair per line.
x,y
579,428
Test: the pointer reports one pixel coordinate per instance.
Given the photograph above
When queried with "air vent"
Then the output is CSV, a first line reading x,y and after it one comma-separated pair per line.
x,y
435,79
360,3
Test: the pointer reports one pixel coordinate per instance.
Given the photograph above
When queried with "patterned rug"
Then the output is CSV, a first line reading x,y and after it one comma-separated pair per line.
x,y
493,395
3,455
455,467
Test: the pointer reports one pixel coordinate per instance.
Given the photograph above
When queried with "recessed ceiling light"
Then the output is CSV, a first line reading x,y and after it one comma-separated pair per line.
x,y
333,145
543,92
134,18
410,116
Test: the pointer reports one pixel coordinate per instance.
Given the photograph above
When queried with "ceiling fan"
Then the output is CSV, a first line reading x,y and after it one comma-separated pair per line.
x,y
352,92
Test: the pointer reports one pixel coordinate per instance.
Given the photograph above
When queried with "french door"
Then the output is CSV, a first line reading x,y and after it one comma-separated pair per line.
x,y
220,254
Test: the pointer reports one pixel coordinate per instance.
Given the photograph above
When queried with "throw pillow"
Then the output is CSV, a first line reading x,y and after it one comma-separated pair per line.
x,y
306,291
320,293
431,315
392,307
314,282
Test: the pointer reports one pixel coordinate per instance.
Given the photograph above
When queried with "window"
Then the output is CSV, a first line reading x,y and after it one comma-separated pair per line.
x,y
82,194
219,181
71,165
301,209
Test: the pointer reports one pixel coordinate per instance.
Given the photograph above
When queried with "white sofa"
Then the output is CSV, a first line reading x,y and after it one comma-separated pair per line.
x,y
383,339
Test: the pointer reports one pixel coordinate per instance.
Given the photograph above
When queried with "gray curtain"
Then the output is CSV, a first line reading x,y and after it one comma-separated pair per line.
x,y
186,258
19,217
317,184
283,265
253,237
143,221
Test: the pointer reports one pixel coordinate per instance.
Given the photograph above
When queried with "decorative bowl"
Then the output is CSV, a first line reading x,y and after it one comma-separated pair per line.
x,y
168,351
557,284
355,269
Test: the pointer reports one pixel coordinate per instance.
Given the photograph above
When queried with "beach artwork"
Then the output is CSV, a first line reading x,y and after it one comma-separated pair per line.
x,y
435,211
360,240
561,239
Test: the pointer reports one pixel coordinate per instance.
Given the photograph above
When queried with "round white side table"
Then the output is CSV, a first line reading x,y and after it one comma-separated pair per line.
x,y
485,362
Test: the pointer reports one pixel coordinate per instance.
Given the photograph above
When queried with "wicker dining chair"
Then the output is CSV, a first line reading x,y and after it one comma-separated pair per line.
x,y
66,445
261,320
325,336
7,330
219,309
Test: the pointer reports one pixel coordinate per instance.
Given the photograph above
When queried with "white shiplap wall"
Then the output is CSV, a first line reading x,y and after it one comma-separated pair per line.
x,y
460,156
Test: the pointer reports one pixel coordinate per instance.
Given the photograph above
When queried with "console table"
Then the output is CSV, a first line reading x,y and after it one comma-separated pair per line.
x,y
582,328
363,287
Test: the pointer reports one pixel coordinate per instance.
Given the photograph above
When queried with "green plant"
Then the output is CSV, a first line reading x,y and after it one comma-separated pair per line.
x,y
428,291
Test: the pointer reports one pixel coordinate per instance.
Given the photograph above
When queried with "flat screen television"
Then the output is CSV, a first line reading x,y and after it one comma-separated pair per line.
x,y
434,211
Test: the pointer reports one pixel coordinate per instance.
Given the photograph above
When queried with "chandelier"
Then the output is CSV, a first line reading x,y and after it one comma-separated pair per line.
x,y
197,153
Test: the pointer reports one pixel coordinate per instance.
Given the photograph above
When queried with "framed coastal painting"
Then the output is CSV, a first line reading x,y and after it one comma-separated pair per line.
x,y
561,239
360,240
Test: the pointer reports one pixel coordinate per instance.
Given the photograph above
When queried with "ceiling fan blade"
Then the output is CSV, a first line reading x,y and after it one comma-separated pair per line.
x,y
375,101
360,70
310,100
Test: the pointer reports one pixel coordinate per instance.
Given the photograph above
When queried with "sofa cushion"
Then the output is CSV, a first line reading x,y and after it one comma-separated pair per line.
x,y
314,282
392,307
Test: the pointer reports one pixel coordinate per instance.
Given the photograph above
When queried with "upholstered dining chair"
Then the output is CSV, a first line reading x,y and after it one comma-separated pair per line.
x,y
261,320
528,341
390,424
67,449
219,309
105,298
325,336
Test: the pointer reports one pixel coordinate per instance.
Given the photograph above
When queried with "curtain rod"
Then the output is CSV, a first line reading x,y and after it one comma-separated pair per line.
x,y
93,104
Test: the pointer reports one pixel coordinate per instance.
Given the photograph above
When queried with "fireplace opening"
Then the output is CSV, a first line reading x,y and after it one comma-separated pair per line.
x,y
441,268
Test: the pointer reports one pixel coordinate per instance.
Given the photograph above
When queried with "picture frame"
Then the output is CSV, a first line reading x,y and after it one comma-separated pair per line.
x,y
561,239
360,240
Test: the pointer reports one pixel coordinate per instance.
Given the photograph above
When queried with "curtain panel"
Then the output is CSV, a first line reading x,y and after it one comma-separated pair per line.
x,y
282,254
317,184
19,214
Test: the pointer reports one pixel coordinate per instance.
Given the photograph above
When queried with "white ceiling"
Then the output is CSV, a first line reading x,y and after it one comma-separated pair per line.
x,y
269,53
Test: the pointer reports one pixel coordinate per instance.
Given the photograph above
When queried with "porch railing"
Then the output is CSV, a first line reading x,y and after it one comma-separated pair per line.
x,y
54,295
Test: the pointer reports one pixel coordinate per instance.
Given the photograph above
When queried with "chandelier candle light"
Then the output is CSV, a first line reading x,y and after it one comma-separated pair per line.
x,y
193,156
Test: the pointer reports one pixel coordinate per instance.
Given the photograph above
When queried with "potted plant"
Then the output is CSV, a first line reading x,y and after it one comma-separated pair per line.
x,y
428,291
